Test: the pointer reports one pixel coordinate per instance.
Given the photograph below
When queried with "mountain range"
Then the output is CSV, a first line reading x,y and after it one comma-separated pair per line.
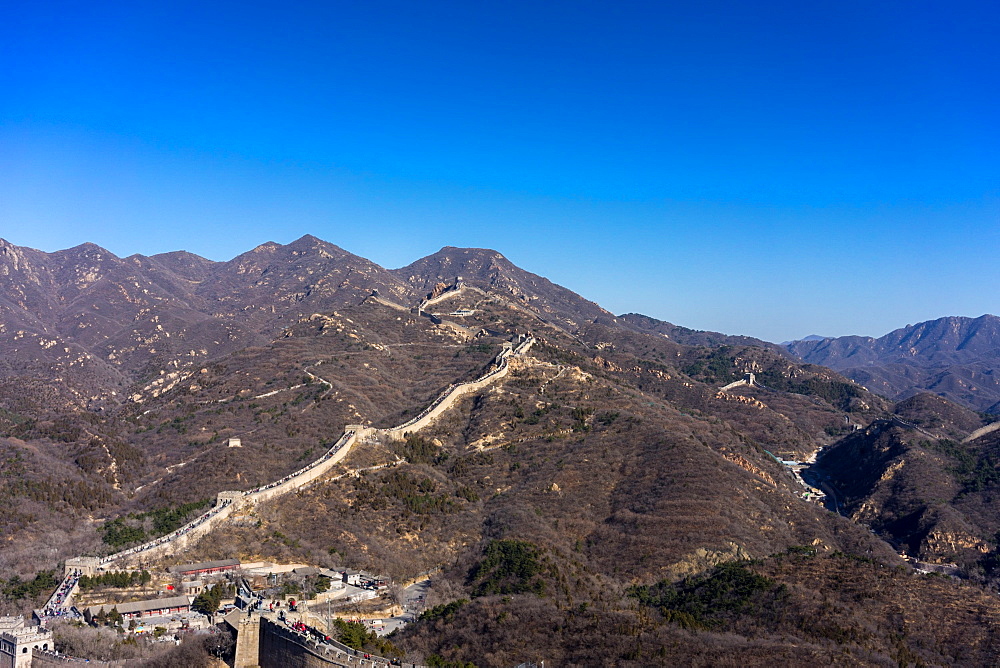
x,y
619,498
953,357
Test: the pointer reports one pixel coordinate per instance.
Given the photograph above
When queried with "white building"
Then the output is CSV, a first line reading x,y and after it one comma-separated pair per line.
x,y
17,641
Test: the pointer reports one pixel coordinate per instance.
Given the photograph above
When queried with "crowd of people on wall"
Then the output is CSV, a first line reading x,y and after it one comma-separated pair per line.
x,y
329,453
58,603
420,416
319,639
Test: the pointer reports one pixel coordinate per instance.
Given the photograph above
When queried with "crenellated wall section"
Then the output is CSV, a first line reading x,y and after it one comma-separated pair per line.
x,y
229,501
225,504
448,398
278,646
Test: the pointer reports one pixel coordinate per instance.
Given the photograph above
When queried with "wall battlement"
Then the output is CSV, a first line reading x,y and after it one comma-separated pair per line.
x,y
227,502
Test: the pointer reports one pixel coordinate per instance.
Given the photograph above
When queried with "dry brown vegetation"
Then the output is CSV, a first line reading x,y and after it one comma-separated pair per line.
x,y
922,487
607,460
103,644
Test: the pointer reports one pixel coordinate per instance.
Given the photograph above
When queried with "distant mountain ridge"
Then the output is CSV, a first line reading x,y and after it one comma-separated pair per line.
x,y
102,322
811,337
686,336
953,357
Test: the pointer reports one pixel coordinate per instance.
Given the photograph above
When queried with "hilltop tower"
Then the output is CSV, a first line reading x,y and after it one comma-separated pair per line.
x,y
83,565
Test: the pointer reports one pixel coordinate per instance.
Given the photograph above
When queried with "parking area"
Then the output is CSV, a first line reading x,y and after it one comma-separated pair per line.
x,y
414,601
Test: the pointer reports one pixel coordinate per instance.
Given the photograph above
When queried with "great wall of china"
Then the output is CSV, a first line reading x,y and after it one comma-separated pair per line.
x,y
264,641
229,501
982,431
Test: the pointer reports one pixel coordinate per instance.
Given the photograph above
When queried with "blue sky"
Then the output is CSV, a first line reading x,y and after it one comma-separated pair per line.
x,y
768,168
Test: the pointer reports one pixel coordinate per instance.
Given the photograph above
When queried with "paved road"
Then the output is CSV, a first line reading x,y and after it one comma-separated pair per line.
x,y
414,601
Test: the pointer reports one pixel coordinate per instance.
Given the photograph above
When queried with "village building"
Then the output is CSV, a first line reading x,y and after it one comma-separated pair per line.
x,y
156,607
204,567
355,578
192,588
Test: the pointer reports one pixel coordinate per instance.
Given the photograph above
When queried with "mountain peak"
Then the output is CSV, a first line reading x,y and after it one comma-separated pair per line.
x,y
266,247
469,250
308,242
468,255
811,337
86,249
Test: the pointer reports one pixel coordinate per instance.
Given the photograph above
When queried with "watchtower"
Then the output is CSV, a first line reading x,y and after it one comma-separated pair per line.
x,y
85,565
17,642
361,432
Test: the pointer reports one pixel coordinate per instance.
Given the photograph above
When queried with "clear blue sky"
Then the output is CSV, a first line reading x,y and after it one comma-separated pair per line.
x,y
766,168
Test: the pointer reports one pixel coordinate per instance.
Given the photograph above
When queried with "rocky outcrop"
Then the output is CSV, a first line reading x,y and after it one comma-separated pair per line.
x,y
939,546
744,464
438,290
740,399
703,559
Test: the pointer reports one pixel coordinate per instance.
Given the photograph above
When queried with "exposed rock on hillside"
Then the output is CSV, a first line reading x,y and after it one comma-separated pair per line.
x,y
915,482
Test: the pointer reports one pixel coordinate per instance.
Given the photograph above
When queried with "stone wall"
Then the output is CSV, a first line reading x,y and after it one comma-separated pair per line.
x,y
247,631
280,647
392,305
309,474
163,547
42,659
448,294
455,392
982,431
227,502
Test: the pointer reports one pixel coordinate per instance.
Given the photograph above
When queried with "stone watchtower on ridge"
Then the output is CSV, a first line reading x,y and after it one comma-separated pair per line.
x,y
84,565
